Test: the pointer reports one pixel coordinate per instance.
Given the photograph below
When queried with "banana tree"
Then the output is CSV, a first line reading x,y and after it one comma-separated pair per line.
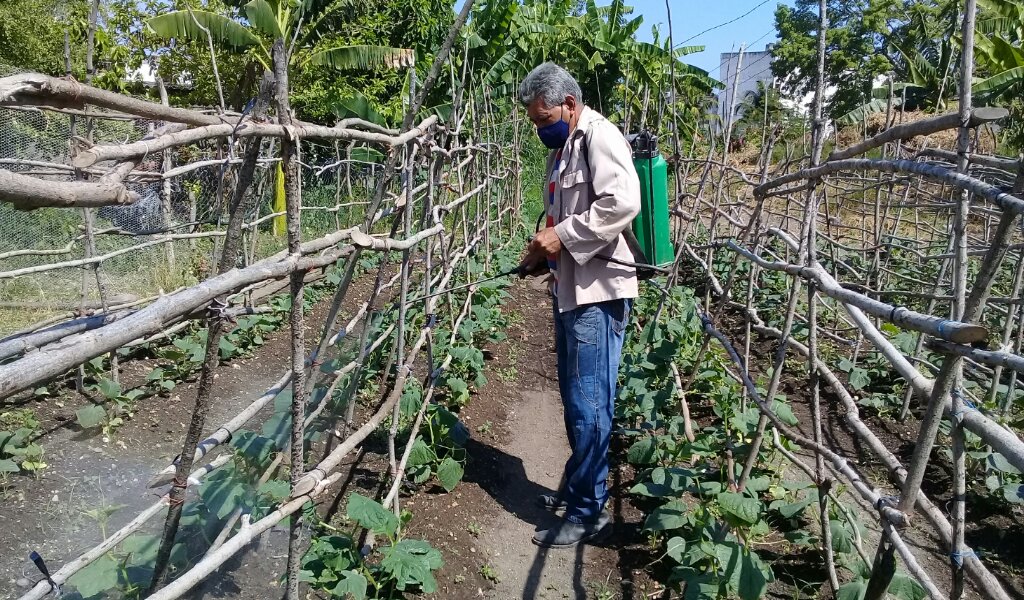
x,y
998,41
267,20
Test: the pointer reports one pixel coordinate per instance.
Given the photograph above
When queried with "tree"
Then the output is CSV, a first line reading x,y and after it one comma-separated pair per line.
x,y
32,33
420,25
597,44
856,50
250,29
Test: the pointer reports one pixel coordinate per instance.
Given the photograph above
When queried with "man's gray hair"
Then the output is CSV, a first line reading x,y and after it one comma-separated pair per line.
x,y
551,83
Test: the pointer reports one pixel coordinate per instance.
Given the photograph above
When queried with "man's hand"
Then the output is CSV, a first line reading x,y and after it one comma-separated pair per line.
x,y
545,242
533,263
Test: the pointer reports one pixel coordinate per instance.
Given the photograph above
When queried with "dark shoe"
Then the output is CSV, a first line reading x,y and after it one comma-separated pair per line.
x,y
551,502
568,534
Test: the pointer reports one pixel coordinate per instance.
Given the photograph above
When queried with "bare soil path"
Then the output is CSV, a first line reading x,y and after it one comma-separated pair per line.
x,y
518,450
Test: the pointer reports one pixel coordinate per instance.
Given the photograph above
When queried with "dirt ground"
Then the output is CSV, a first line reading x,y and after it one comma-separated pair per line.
x,y
93,487
484,528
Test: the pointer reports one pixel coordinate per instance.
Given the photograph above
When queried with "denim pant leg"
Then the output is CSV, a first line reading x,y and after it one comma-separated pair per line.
x,y
561,344
593,336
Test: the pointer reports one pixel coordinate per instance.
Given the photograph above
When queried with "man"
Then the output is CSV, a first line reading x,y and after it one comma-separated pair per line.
x,y
592,195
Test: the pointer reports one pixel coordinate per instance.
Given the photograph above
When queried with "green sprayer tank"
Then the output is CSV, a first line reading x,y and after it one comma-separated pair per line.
x,y
651,226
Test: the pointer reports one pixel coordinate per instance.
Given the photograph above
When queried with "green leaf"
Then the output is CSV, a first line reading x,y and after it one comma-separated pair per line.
x,y
998,462
853,590
742,509
261,16
421,454
664,482
672,515
643,452
141,547
791,510
366,155
449,473
754,576
801,537
1014,492
255,447
364,58
359,106
858,114
222,492
411,562
842,538
904,587
109,388
859,378
350,585
675,548
275,489
8,466
98,577
180,24
226,348
91,416
419,474
701,587
372,515
1000,83
785,413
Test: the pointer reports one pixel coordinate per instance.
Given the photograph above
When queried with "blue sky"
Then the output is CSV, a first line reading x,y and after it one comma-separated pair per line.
x,y
691,17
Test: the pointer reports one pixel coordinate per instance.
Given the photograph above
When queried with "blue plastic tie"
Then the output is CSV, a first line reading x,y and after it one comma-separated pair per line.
x,y
958,557
967,405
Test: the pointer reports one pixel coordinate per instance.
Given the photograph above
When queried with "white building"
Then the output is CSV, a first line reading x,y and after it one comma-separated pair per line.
x,y
752,68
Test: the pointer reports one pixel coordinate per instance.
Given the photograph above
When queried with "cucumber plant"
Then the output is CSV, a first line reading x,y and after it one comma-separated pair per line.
x,y
18,449
397,566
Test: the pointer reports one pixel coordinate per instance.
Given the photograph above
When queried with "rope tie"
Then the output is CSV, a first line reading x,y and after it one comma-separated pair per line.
x,y
228,437
886,501
218,308
322,472
966,404
177,484
958,557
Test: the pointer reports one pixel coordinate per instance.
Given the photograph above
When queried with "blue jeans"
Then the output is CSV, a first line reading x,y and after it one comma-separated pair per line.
x,y
588,340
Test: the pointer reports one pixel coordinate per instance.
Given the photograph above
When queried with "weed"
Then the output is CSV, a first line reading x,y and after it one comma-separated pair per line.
x,y
474,529
18,451
507,374
18,418
485,427
602,591
488,573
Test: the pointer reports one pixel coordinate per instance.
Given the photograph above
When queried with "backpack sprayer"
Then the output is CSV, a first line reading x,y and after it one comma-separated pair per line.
x,y
648,237
652,224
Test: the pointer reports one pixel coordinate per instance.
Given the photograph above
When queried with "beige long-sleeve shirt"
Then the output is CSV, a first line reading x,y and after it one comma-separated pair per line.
x,y
596,198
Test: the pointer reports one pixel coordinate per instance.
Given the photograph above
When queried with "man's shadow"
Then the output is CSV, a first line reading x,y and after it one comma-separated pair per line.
x,y
503,477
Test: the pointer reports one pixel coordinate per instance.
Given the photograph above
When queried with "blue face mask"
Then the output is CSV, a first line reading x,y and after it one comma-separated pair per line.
x,y
554,135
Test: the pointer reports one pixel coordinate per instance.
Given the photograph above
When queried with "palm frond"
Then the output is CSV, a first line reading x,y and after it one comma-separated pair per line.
x,y
363,57
185,25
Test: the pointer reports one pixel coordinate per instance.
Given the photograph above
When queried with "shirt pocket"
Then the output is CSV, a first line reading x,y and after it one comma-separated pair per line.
x,y
575,186
574,178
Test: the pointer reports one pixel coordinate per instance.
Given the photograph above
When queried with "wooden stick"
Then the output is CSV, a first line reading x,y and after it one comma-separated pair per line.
x,y
978,116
